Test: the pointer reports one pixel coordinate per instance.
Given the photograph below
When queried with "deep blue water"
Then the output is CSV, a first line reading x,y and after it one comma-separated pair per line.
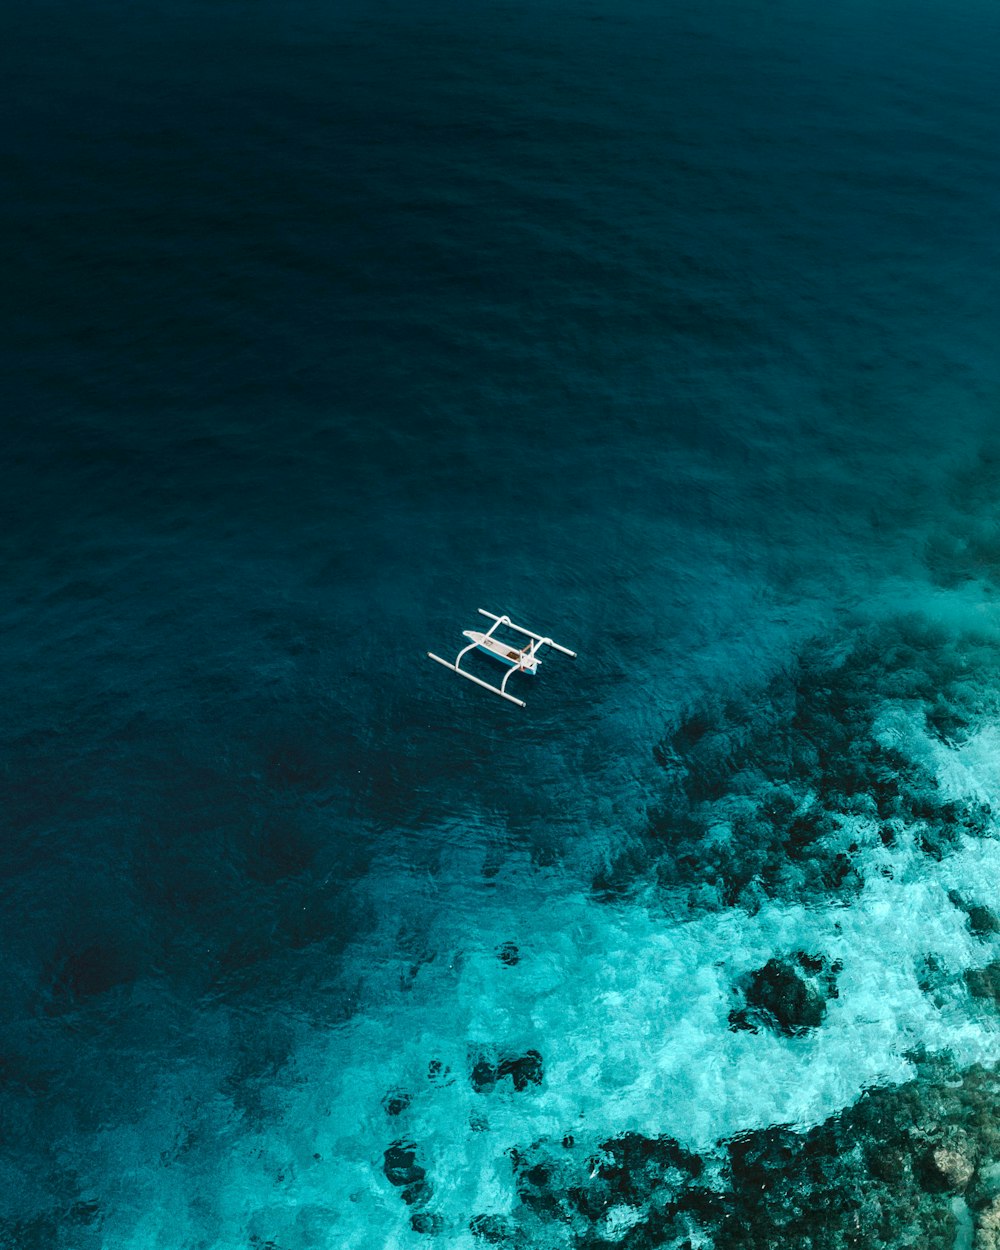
x,y
669,329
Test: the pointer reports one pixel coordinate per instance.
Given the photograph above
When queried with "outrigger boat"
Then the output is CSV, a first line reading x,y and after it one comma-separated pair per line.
x,y
518,659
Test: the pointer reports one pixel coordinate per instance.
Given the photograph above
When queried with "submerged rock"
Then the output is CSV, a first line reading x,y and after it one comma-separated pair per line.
x,y
741,1020
624,1192
756,1159
483,1076
984,982
636,1166
786,998
524,1070
508,954
400,1164
946,1169
987,1226
982,922
417,1194
402,1170
396,1102
426,1222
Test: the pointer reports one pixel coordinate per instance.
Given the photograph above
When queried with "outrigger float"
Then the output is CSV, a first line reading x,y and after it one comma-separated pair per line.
x,y
518,659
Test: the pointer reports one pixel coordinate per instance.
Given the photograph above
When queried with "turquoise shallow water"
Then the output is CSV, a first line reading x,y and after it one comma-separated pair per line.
x,y
670,331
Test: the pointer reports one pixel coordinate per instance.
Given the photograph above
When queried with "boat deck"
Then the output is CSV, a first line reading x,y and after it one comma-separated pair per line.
x,y
502,650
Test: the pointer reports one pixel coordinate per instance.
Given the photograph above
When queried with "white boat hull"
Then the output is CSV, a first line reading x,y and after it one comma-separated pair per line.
x,y
502,651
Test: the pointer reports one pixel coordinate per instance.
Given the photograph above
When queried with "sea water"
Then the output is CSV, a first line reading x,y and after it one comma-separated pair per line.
x,y
669,330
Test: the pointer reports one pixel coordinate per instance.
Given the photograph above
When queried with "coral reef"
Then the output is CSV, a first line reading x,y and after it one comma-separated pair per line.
x,y
909,1168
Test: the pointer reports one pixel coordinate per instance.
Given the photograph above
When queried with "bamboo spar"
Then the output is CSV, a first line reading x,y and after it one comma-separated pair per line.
x,y
478,680
505,620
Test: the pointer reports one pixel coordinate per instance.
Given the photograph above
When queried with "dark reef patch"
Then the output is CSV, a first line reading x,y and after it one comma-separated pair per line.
x,y
788,995
399,1163
509,954
396,1102
758,788
985,982
584,1194
906,1168
524,1070
982,921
